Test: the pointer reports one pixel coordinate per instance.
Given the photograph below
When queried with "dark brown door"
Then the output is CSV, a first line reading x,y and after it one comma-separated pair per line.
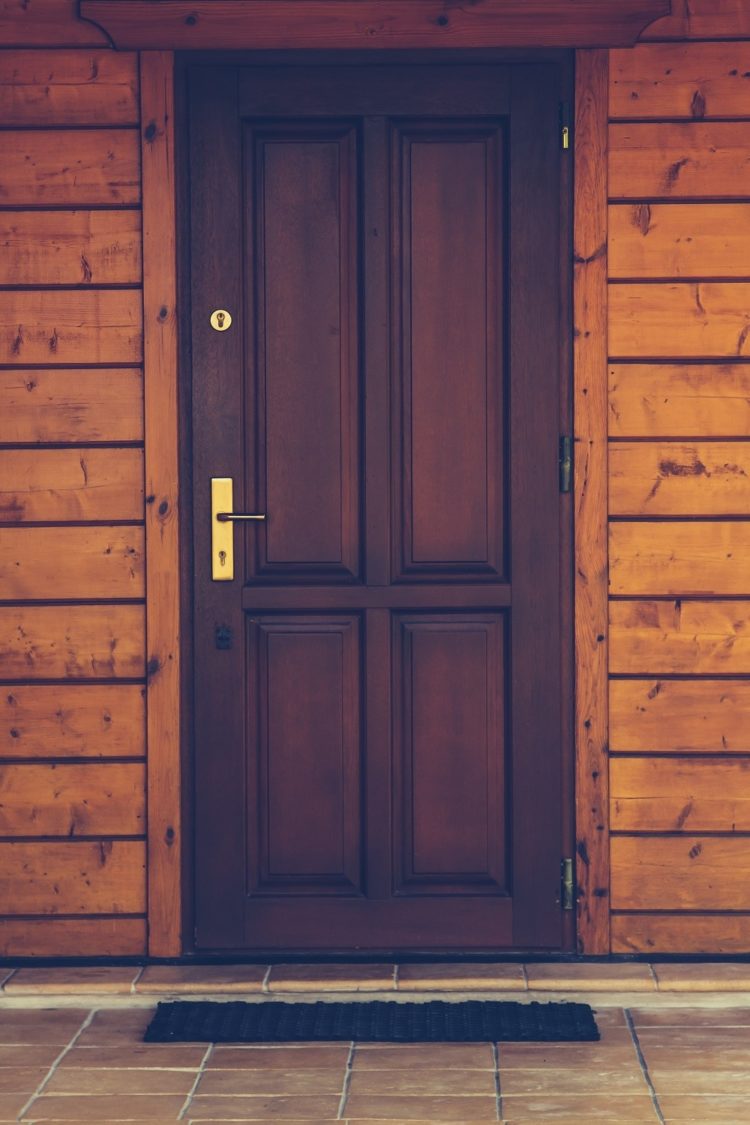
x,y
378,693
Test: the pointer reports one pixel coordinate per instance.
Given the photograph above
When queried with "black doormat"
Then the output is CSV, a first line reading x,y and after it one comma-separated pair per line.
x,y
436,1021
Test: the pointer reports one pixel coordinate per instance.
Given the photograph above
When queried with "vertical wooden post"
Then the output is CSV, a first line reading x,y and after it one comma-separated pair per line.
x,y
162,541
590,394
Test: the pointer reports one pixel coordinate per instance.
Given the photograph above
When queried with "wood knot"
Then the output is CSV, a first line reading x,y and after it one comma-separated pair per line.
x,y
150,131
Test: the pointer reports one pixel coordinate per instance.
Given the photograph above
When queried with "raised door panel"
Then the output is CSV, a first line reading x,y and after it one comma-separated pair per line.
x,y
303,306
448,316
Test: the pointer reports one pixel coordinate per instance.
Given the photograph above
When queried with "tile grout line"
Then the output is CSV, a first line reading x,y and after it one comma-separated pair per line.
x,y
136,978
347,1082
498,1094
654,977
526,985
265,985
194,1087
395,977
643,1064
11,974
23,1112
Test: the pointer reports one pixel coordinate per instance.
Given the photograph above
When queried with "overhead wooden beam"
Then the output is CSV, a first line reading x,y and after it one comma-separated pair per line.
x,y
407,24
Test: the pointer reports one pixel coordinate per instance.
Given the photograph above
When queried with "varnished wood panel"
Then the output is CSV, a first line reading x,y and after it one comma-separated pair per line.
x,y
683,559
679,240
703,19
686,715
64,168
70,484
72,937
679,161
679,400
46,23
73,800
679,872
43,327
72,562
72,642
70,247
68,88
73,877
87,721
704,319
679,478
683,637
672,80
680,795
681,933
71,406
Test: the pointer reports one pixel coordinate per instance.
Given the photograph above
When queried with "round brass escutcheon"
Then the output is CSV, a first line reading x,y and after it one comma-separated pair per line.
x,y
221,320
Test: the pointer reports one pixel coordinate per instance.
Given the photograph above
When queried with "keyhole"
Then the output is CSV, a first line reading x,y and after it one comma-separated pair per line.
x,y
222,558
220,319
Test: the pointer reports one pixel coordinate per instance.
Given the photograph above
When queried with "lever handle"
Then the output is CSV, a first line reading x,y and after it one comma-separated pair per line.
x,y
233,517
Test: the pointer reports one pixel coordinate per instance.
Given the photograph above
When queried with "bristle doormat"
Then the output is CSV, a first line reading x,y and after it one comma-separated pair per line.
x,y
436,1021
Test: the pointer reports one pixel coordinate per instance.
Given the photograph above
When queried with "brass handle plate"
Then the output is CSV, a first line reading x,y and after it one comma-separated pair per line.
x,y
222,532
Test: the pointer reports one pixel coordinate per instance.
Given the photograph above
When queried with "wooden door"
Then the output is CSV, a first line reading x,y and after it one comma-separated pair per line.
x,y
378,694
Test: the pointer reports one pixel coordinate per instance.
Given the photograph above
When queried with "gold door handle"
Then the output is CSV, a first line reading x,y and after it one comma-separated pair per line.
x,y
222,533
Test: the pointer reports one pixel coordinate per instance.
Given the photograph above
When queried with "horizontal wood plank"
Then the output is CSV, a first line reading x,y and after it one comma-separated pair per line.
x,y
84,799
71,406
70,168
70,484
703,19
679,240
68,88
679,160
680,320
679,637
43,563
680,933
671,80
74,326
683,559
692,716
72,937
673,478
46,23
70,247
94,642
679,872
91,721
680,794
679,400
73,877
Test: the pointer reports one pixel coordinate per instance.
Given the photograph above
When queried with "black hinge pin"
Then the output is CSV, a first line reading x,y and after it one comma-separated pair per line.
x,y
566,464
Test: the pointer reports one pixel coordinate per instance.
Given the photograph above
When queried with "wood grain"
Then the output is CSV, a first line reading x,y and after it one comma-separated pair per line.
x,y
72,937
40,563
673,478
679,400
693,716
701,320
70,484
72,642
681,933
679,161
679,873
46,23
73,800
679,240
70,247
73,877
68,88
703,19
682,637
76,326
70,168
672,80
71,406
86,721
680,794
682,559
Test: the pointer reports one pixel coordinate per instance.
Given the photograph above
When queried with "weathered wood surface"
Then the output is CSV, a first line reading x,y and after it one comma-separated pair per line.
x,y
679,637
679,161
679,873
92,642
70,484
672,80
39,563
681,559
70,168
72,937
693,716
701,320
681,933
680,795
91,721
68,88
73,877
679,240
70,247
46,23
679,400
703,19
75,326
71,406
73,800
673,478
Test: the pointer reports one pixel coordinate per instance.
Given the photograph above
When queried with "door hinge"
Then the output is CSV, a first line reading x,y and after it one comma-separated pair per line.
x,y
566,131
566,463
568,885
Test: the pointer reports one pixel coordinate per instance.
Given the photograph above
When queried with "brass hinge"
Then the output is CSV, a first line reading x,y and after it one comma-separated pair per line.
x,y
568,885
566,132
566,463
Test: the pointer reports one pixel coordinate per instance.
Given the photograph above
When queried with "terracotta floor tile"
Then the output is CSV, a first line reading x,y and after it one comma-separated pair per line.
x,y
691,1017
331,978
68,981
591,978
40,1054
721,1110
542,1056
264,1108
140,1107
187,979
461,978
165,1056
122,1082
423,1082
686,1081
40,1026
21,1079
703,978
609,1017
595,1107
575,1120
465,1056
733,1038
628,1080
698,1058
278,1058
11,1105
215,1082
384,1108
110,1028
